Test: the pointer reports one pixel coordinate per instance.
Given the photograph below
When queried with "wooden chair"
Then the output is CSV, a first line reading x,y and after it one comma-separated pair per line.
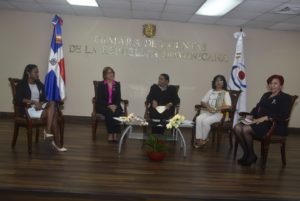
x,y
27,122
96,117
271,138
226,122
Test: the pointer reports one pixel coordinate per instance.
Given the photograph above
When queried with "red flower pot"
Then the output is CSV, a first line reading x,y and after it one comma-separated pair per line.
x,y
156,156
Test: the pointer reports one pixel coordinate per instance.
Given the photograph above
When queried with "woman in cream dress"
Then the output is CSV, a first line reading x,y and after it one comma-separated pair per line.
x,y
213,102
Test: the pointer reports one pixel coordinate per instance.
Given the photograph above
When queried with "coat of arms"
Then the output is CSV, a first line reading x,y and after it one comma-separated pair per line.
x,y
149,30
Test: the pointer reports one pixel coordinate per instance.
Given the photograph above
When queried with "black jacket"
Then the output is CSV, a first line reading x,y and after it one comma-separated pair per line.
x,y
102,95
23,92
163,97
275,107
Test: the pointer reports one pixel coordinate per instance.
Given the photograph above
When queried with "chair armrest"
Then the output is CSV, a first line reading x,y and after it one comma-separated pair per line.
x,y
94,106
146,114
280,120
125,102
198,107
226,110
271,131
26,105
244,113
177,107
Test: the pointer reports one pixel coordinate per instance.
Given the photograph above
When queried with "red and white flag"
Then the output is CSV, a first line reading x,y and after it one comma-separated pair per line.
x,y
237,79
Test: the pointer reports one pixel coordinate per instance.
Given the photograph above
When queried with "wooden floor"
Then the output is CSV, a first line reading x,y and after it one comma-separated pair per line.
x,y
94,171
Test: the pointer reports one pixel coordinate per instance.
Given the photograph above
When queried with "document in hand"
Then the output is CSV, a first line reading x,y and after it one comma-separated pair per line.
x,y
247,121
161,109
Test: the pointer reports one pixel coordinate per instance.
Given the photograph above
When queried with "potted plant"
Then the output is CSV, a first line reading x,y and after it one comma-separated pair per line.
x,y
156,148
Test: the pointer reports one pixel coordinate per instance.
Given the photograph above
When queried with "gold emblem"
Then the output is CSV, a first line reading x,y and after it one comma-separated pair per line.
x,y
149,30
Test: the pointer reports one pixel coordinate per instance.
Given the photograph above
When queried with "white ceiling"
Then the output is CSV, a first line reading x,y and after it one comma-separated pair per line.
x,y
251,13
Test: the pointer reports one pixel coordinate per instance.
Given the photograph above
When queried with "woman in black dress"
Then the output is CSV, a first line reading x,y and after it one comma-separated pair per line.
x,y
108,102
273,104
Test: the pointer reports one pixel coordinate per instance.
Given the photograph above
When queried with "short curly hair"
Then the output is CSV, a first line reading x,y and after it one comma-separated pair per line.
x,y
278,77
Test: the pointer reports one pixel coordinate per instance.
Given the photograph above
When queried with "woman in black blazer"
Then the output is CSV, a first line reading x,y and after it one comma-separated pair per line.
x,y
30,90
108,102
273,104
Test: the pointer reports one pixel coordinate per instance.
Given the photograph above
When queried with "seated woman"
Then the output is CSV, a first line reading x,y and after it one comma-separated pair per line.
x,y
31,91
108,102
213,102
273,104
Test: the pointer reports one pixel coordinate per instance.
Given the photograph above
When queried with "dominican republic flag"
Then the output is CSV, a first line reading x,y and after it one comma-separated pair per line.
x,y
237,79
55,78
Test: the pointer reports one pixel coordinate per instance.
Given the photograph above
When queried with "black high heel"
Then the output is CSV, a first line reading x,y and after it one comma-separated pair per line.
x,y
249,161
243,159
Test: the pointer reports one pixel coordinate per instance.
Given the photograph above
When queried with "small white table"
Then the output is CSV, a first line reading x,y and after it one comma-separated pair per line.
x,y
129,126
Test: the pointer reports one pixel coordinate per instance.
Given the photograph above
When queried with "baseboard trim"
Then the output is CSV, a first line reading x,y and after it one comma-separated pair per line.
x,y
6,115
78,119
87,120
68,118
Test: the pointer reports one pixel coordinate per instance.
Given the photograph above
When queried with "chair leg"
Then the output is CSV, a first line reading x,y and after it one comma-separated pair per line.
x,y
193,135
283,157
264,156
219,138
262,147
230,139
37,133
61,132
94,128
144,129
15,136
236,144
213,135
29,139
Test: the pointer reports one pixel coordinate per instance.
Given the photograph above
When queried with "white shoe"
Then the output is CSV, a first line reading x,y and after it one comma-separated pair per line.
x,y
47,135
63,149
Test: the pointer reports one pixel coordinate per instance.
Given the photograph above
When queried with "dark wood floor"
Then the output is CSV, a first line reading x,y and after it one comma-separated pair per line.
x,y
94,171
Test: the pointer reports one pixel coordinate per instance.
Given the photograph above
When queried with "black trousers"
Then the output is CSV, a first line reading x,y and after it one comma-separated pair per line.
x,y
112,125
166,115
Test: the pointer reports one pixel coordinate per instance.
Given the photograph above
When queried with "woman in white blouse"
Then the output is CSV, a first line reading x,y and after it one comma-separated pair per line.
x,y
213,102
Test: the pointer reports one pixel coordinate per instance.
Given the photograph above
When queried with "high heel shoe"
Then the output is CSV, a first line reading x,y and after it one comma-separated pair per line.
x,y
63,149
243,159
47,135
249,161
115,138
196,146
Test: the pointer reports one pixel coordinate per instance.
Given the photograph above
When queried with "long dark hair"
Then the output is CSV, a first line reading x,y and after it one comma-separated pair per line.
x,y
28,69
278,77
222,78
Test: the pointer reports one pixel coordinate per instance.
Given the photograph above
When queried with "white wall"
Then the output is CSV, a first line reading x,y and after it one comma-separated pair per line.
x,y
25,38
